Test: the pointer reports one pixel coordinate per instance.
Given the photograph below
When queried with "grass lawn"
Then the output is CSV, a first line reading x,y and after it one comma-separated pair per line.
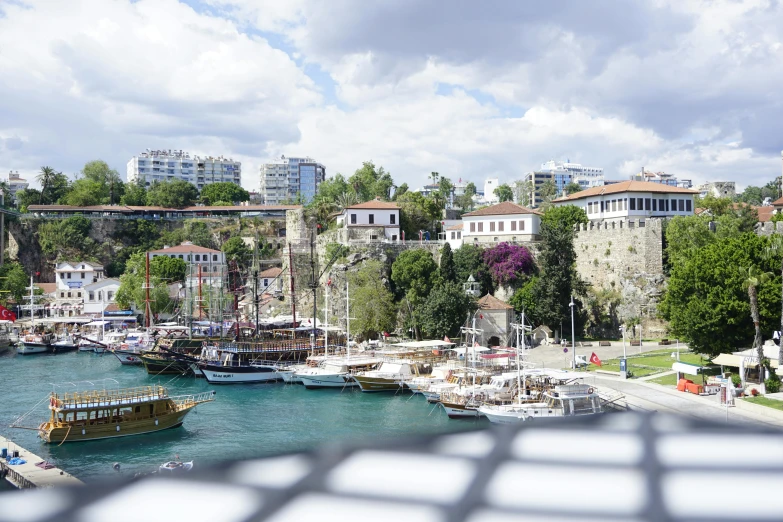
x,y
763,401
652,362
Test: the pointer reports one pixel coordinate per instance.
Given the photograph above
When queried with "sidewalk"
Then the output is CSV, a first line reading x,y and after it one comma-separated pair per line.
x,y
553,356
655,397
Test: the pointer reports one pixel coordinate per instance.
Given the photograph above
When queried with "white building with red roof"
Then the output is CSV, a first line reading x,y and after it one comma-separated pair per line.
x,y
505,222
373,220
632,200
207,264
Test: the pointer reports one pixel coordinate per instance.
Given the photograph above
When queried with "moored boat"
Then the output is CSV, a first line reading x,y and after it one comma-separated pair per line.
x,y
391,375
102,414
175,466
156,363
336,372
563,400
34,344
64,344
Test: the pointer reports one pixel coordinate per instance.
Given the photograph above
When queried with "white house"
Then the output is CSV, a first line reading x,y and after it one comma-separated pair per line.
x,y
100,295
505,222
211,262
371,221
632,199
71,278
453,235
270,281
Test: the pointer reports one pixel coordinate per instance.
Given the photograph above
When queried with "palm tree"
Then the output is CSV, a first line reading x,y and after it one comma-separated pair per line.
x,y
46,175
345,200
4,188
753,279
773,251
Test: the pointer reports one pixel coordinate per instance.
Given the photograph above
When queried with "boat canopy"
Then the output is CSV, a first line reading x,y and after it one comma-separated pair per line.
x,y
462,349
423,344
98,323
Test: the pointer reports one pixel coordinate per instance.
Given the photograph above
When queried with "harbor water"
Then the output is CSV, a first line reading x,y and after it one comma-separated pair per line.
x,y
244,420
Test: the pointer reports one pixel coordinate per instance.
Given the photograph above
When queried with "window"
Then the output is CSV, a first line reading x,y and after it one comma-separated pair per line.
x,y
100,296
521,225
69,275
481,227
453,235
69,294
633,203
392,219
602,206
614,205
641,223
655,205
214,257
353,219
62,276
78,294
180,256
682,205
687,205
198,257
496,239
472,227
92,296
82,275
109,295
491,226
62,295
459,235
646,203
372,219
513,226
500,226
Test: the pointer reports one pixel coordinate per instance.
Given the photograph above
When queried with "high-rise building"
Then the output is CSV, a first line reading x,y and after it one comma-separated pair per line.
x,y
15,184
288,178
661,177
561,174
168,165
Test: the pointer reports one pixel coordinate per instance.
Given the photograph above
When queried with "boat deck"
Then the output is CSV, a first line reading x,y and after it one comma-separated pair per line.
x,y
105,398
28,475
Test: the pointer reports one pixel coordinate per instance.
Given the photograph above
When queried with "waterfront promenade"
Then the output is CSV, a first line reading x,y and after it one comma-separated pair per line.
x,y
29,475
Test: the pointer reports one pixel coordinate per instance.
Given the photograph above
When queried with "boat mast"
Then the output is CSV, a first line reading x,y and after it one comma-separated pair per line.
x,y
291,271
200,304
314,287
32,308
519,371
347,317
146,291
326,316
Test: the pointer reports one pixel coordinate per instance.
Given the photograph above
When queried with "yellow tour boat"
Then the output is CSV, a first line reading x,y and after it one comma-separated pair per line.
x,y
103,414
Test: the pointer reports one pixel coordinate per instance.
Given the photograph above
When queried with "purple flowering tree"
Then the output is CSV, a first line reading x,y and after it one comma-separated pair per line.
x,y
509,264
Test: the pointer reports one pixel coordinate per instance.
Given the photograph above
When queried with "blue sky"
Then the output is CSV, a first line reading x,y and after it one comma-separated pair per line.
x,y
676,86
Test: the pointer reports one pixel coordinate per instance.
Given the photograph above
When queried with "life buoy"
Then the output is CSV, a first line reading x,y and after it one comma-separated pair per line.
x,y
590,391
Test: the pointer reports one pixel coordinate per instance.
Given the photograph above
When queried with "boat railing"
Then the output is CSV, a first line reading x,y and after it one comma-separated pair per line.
x,y
90,398
269,346
196,398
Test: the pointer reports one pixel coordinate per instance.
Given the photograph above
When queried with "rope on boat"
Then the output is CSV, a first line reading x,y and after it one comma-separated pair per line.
x,y
25,415
66,435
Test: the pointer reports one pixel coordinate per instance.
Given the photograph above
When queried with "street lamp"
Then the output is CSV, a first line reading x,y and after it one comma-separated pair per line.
x,y
573,340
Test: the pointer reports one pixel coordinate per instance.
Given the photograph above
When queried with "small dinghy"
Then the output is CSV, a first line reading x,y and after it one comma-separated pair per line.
x,y
174,466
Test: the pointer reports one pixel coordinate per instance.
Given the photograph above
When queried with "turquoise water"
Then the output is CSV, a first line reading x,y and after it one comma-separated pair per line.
x,y
244,421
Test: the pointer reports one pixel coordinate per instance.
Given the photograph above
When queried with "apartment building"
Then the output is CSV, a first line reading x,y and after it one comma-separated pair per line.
x,y
168,165
15,184
288,178
561,174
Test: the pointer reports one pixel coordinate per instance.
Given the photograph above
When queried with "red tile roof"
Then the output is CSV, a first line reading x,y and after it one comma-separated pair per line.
x,y
501,209
271,272
490,302
627,186
765,213
376,204
185,248
455,227
47,288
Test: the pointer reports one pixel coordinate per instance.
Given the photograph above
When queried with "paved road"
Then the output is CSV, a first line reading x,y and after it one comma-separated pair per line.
x,y
552,356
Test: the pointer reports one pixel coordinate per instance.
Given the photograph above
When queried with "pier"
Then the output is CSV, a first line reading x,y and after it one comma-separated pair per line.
x,y
35,472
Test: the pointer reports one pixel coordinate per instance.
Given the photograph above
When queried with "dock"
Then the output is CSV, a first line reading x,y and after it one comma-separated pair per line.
x,y
28,475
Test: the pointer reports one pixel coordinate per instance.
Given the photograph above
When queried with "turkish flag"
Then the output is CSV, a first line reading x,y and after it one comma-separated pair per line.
x,y
6,314
595,360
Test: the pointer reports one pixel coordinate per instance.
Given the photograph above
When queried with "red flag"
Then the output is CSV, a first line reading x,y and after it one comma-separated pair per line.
x,y
595,360
6,314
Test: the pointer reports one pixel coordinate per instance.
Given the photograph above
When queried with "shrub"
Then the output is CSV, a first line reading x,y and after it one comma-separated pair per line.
x,y
772,385
595,262
608,252
754,392
736,380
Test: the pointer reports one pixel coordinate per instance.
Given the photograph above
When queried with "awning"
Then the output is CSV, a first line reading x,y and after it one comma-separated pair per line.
x,y
690,369
463,349
733,360
423,344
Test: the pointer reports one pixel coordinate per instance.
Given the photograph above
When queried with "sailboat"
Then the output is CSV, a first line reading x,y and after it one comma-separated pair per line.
x,y
32,342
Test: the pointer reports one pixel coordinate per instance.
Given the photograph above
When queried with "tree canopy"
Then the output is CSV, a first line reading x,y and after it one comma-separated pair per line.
x,y
172,194
224,191
469,260
445,310
509,265
168,269
372,304
131,292
235,249
413,272
504,193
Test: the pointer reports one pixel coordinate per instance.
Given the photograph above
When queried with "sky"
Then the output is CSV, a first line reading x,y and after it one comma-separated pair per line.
x,y
468,89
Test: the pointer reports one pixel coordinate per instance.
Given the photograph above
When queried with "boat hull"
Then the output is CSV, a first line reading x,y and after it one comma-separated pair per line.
x,y
110,430
239,374
159,366
379,384
127,358
460,411
62,348
30,348
334,380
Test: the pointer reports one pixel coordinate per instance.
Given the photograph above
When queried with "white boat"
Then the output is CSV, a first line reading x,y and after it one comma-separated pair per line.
x,y
34,343
288,373
335,372
64,344
244,374
565,400
87,344
175,466
465,401
391,375
439,375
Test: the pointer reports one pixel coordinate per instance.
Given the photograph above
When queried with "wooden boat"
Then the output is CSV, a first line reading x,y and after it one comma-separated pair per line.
x,y
391,376
564,400
156,363
103,414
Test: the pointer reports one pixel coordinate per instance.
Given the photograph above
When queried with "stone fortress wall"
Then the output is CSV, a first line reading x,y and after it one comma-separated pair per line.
x,y
625,256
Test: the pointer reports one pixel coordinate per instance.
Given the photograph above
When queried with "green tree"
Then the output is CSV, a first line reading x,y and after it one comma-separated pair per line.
x,y
445,189
66,238
131,292
751,195
753,278
524,299
135,194
416,213
558,280
168,269
573,188
224,191
413,272
547,192
504,193
330,189
446,270
715,206
14,283
705,302
469,261
84,193
445,310
172,194
684,236
522,191
372,304
369,182
27,197
236,250
44,177
111,185
399,191
774,253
